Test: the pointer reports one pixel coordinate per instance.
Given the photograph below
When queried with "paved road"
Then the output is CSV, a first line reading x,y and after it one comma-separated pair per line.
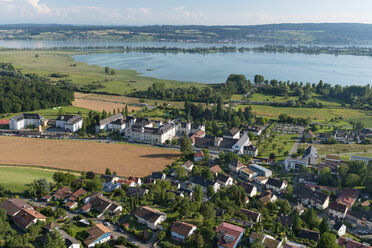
x,y
295,145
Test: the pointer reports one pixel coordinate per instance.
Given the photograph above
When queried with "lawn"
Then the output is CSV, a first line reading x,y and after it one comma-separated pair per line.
x,y
53,113
17,178
282,142
340,148
123,82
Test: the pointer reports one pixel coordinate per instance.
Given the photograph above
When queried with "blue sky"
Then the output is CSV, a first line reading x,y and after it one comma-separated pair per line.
x,y
181,12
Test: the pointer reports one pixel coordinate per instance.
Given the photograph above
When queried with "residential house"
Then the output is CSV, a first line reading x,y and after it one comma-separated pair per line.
x,y
337,210
158,176
276,185
150,217
224,180
309,178
181,230
62,193
267,240
308,196
110,178
324,136
199,156
295,164
262,171
307,234
101,204
215,169
360,218
251,150
188,165
339,228
236,166
112,123
311,155
190,128
332,165
238,147
98,234
228,235
252,215
71,123
24,120
136,192
233,133
27,217
260,180
348,197
247,173
308,135
249,189
267,196
300,208
253,129
204,183
70,205
348,242
13,206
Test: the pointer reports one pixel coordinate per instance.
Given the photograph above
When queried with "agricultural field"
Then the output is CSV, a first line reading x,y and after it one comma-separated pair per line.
x,y
341,148
124,159
47,62
98,105
17,178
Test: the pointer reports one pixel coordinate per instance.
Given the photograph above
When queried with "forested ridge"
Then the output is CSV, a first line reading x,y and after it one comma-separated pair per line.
x,y
27,92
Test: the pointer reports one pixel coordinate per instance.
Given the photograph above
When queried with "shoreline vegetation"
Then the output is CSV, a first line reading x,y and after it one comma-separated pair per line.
x,y
299,49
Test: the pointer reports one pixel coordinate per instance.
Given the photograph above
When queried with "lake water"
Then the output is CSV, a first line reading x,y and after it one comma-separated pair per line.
x,y
215,68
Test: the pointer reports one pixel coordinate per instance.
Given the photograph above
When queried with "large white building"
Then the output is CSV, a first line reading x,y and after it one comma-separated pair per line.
x,y
70,123
113,123
24,120
294,164
238,147
153,135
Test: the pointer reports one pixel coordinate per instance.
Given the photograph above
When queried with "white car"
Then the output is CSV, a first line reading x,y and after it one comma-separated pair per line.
x,y
106,223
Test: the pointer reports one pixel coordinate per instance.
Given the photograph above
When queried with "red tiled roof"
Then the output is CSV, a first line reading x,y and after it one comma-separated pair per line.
x,y
348,243
348,197
226,229
215,168
4,122
199,154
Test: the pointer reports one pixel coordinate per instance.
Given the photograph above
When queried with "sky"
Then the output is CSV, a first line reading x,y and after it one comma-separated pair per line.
x,y
184,12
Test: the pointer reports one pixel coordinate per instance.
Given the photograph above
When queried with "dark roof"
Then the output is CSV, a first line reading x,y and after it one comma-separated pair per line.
x,y
27,116
148,214
338,207
319,197
228,143
338,225
310,150
252,129
250,148
110,119
307,234
222,178
107,178
286,220
252,215
231,132
274,182
157,175
301,191
134,191
182,228
207,141
13,206
219,211
201,181
70,119
248,188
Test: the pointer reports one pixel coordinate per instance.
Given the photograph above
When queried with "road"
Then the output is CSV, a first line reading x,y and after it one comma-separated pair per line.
x,y
295,145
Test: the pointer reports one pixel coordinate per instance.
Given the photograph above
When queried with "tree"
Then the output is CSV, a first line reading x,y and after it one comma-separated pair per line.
x,y
126,111
272,155
181,173
108,172
352,180
198,193
236,121
161,235
186,146
311,218
210,190
54,240
323,226
112,72
327,240
39,188
206,154
257,244
107,70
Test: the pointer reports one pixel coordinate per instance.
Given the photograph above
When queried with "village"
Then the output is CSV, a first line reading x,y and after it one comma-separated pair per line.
x,y
219,193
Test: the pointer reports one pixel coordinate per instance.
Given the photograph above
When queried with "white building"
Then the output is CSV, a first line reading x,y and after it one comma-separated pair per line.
x,y
247,173
190,128
337,210
70,123
113,123
276,185
181,230
294,164
24,120
146,134
150,217
340,229
261,171
311,155
251,150
239,146
233,133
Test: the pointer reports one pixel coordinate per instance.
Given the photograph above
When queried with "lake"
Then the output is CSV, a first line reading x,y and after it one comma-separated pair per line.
x,y
215,68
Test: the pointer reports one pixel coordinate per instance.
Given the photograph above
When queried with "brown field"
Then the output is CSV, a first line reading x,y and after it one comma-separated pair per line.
x,y
124,159
98,105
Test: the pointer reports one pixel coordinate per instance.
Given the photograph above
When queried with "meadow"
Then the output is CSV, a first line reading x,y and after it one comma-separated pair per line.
x,y
358,149
280,144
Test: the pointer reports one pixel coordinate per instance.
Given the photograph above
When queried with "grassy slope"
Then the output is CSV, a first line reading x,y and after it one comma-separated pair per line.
x,y
17,179
125,81
52,113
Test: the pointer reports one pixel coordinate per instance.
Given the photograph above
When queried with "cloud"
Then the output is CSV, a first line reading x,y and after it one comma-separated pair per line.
x,y
178,8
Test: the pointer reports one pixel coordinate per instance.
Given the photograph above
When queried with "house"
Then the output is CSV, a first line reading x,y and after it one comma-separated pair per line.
x,y
186,192
204,183
189,165
267,196
136,192
24,120
189,128
267,240
46,198
253,129
249,189
262,171
360,158
260,180
199,156
247,173
308,135
309,178
27,217
70,242
150,217
348,242
77,194
337,210
339,228
252,215
236,166
70,205
307,234
224,180
13,206
101,204
300,208
325,136
158,176
319,200
311,155
181,230
348,197
215,169
228,235
251,150
276,185
308,196
98,234
71,123
62,193
238,147
91,196
286,220
112,123
294,164
233,133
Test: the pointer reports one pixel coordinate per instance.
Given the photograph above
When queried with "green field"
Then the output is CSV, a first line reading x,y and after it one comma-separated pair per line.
x,y
283,142
341,148
123,82
17,178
